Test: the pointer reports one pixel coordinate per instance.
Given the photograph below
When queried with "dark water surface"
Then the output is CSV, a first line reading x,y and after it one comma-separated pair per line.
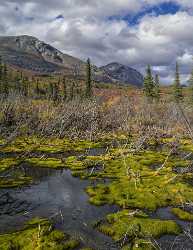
x,y
58,196
183,241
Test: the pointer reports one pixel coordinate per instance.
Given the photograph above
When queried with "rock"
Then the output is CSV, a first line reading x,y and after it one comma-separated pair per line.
x,y
123,73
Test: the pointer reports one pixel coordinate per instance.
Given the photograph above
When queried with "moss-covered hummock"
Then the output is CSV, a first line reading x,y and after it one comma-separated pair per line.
x,y
11,181
134,227
15,182
136,185
6,163
48,145
37,234
45,162
182,215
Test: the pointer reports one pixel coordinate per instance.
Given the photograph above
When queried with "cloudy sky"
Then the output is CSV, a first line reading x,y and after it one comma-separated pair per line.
x,y
132,32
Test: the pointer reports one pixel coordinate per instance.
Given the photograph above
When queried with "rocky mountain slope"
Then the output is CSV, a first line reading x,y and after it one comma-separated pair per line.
x,y
29,53
123,73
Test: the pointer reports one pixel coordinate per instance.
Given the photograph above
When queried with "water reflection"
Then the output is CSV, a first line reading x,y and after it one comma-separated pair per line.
x,y
58,196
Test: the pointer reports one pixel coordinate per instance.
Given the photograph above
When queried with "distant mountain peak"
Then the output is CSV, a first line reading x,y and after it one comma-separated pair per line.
x,y
31,54
123,73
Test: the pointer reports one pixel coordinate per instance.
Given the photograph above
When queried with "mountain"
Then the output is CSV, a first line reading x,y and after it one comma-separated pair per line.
x,y
30,54
123,73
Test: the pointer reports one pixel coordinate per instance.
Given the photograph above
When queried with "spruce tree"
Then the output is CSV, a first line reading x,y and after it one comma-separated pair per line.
x,y
149,84
71,94
1,75
37,88
191,87
25,86
177,88
50,90
20,82
17,83
55,92
157,88
64,89
5,81
88,80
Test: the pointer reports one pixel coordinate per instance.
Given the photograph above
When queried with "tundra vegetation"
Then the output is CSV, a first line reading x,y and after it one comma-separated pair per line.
x,y
146,164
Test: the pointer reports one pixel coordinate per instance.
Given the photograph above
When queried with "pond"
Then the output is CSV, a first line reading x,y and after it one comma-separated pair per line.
x,y
58,196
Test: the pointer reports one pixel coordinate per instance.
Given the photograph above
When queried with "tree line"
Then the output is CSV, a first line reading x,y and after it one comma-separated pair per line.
x,y
62,89
152,91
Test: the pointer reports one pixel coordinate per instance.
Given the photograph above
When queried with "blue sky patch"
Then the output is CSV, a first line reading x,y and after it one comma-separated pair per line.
x,y
161,9
60,17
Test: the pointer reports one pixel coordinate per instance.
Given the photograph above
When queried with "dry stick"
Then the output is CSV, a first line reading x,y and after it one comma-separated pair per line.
x,y
141,143
188,234
39,231
11,138
62,217
186,121
189,129
154,243
187,156
166,160
124,239
129,171
92,170
174,241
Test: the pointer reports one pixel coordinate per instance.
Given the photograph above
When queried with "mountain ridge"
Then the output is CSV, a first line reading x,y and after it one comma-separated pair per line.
x,y
123,73
29,53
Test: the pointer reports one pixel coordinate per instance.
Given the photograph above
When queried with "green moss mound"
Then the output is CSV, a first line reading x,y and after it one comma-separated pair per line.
x,y
182,215
37,234
45,162
135,184
48,145
14,182
6,163
134,227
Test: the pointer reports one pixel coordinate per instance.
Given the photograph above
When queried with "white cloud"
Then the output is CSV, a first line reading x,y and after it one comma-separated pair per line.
x,y
86,30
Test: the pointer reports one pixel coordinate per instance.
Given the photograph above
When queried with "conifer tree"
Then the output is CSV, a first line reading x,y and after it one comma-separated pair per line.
x,y
37,88
71,95
64,89
78,90
5,81
50,91
157,88
149,84
55,92
1,75
25,86
17,83
177,88
88,80
191,87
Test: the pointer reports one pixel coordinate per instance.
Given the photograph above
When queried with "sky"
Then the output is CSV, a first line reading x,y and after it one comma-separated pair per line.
x,y
131,32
